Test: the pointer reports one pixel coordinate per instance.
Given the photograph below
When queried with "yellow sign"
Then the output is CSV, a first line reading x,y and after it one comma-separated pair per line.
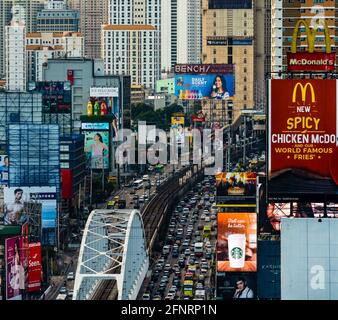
x,y
177,120
311,37
303,90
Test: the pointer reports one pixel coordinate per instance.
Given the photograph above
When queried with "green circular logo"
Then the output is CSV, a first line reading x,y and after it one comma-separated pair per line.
x,y
236,253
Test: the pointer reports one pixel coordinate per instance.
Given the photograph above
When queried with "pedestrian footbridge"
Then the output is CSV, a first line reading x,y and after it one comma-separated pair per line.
x,y
113,250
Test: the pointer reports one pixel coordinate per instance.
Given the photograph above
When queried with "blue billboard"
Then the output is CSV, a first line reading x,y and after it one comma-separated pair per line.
x,y
201,86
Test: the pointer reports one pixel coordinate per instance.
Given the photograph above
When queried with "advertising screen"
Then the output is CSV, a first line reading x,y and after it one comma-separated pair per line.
x,y
97,149
303,152
177,121
237,242
19,200
4,162
34,267
236,286
16,267
56,95
201,86
236,186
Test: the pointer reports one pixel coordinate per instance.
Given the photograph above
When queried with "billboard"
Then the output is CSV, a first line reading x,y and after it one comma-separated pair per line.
x,y
34,267
311,61
101,92
97,148
56,95
177,121
18,203
237,242
232,286
199,117
268,267
16,267
303,153
203,68
201,86
4,162
309,252
236,187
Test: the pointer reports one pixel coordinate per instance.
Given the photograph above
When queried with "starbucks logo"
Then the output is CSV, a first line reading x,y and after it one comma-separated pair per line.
x,y
236,253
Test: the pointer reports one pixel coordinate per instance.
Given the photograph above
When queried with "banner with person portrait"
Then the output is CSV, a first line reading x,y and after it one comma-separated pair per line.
x,y
4,163
204,86
237,242
16,268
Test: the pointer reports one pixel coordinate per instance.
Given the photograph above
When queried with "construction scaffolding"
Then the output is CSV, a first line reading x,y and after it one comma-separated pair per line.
x,y
18,107
34,153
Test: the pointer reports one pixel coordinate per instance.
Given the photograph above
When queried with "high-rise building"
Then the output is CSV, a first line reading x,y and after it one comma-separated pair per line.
x,y
228,37
31,9
122,55
50,45
93,14
132,22
262,65
180,32
15,57
284,16
57,18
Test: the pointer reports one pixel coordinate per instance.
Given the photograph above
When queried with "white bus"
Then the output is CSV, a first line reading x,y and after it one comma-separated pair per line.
x,y
138,184
198,249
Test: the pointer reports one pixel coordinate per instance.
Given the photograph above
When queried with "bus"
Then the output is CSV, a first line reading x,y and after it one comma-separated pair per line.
x,y
207,231
198,249
188,288
138,184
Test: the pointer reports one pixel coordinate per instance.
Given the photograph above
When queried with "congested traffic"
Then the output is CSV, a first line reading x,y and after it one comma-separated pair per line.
x,y
184,269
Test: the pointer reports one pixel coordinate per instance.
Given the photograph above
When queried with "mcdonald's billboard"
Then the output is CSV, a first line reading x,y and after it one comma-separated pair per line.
x,y
303,136
311,61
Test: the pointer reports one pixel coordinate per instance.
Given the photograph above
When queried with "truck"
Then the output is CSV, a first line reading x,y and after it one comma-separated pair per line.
x,y
207,231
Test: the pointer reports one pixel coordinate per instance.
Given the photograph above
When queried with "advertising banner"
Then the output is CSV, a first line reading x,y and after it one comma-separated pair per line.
x,y
16,266
237,242
236,186
19,200
309,259
303,153
232,286
204,68
97,149
268,275
4,162
177,121
34,267
199,117
101,92
201,86
56,95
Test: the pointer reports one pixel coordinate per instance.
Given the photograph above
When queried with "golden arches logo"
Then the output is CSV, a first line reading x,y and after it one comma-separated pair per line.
x,y
303,90
311,37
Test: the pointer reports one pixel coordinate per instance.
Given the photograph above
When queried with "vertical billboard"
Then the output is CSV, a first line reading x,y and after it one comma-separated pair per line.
x,y
4,162
34,267
16,264
237,242
309,255
303,152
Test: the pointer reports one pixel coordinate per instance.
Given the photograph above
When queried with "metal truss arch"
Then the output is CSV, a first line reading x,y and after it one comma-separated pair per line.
x,y
113,248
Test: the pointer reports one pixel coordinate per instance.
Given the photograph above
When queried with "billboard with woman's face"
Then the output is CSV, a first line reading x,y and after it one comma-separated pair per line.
x,y
204,86
16,267
97,148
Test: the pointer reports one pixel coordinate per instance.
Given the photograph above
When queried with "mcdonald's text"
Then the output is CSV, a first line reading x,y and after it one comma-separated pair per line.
x,y
318,61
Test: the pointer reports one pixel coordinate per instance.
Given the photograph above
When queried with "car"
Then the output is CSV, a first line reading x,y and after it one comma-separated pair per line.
x,y
179,208
146,296
207,219
200,226
71,276
181,263
198,238
187,252
170,296
145,177
157,297
213,217
199,286
63,290
203,216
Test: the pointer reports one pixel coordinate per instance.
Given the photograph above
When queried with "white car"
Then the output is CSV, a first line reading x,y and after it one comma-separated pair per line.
x,y
146,296
203,216
207,219
170,296
70,276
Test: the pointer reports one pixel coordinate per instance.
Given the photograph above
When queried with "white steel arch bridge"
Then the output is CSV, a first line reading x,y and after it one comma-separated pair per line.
x,y
113,250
